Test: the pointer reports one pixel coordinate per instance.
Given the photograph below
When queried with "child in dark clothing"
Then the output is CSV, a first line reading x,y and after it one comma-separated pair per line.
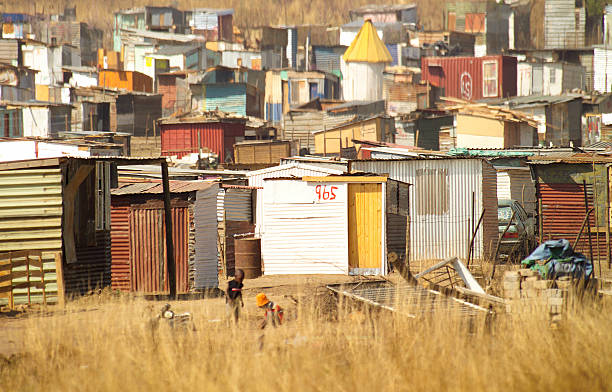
x,y
233,295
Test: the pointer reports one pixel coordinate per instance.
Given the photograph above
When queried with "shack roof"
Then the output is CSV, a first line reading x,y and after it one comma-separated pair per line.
x,y
488,111
173,50
199,117
367,47
382,8
218,11
155,187
52,162
581,158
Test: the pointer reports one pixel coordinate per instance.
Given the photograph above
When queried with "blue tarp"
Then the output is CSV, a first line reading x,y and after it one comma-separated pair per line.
x,y
556,258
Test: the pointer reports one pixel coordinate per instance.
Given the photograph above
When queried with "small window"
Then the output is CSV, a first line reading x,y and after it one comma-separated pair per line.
x,y
434,198
553,75
103,174
489,79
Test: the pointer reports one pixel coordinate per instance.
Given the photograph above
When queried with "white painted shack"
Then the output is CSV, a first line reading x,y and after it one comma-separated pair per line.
x,y
441,217
256,179
329,225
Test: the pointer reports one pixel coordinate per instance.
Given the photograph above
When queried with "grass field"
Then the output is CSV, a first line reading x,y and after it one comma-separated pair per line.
x,y
106,343
247,12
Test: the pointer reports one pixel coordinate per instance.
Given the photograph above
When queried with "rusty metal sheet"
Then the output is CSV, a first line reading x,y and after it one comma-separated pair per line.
x,y
120,244
149,272
563,211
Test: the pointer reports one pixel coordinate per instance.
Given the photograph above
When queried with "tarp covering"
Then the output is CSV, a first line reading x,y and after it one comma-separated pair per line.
x,y
556,258
367,47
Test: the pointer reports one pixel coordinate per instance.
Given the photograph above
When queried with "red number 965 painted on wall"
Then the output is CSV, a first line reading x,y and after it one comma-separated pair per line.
x,y
325,192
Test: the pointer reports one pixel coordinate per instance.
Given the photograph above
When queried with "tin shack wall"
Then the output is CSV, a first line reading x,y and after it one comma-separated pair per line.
x,y
440,204
256,179
300,235
31,219
206,256
560,191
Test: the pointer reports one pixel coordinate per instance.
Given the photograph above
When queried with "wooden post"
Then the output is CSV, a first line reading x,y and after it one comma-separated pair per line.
x,y
59,272
27,257
11,297
170,263
407,257
586,210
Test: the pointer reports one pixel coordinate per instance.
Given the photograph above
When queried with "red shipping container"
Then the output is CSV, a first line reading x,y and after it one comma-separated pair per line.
x,y
471,78
181,138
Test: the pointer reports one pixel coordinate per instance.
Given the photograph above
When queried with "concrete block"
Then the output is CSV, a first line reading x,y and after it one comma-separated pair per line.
x,y
564,284
511,276
542,284
526,272
512,286
555,301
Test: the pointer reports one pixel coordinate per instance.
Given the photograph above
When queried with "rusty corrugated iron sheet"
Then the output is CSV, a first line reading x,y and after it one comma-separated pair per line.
x,y
229,255
563,211
120,244
149,272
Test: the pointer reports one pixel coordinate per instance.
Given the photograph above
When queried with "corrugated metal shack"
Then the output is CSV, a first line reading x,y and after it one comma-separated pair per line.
x,y
299,124
174,88
235,217
61,207
482,126
137,113
261,151
471,78
137,238
128,80
557,117
560,185
294,169
333,140
216,131
489,21
331,224
564,24
40,119
549,78
214,24
442,219
405,13
17,83
422,129
403,94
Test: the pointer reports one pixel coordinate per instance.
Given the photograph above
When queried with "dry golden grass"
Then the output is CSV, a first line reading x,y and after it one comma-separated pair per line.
x,y
107,345
248,12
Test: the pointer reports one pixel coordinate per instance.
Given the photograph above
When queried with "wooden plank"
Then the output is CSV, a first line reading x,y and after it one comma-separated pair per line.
x,y
6,278
59,268
360,179
435,267
18,254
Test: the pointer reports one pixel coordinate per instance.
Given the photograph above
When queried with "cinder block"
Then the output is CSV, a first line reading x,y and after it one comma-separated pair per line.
x,y
512,286
555,301
542,284
512,294
527,272
564,284
511,276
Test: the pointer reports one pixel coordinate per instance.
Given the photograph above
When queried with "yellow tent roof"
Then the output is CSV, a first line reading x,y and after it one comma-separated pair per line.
x,y
367,47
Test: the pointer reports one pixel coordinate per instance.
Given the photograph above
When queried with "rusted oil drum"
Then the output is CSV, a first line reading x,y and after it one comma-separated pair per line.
x,y
248,256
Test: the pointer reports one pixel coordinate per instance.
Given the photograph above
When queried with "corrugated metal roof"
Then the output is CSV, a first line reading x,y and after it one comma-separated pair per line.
x,y
367,47
171,50
157,188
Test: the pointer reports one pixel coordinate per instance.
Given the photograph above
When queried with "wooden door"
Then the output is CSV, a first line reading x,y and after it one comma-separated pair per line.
x,y
365,226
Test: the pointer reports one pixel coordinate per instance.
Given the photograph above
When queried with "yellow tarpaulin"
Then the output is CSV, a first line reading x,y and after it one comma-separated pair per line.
x,y
367,47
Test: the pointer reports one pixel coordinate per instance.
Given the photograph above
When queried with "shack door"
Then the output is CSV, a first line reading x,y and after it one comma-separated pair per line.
x,y
365,228
148,250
